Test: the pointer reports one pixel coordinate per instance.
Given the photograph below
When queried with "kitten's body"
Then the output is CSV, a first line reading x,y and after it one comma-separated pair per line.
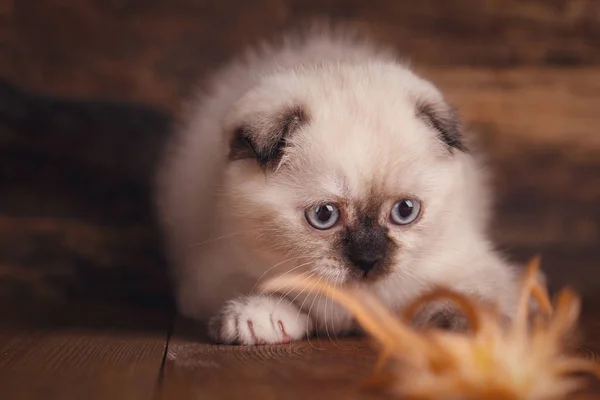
x,y
314,120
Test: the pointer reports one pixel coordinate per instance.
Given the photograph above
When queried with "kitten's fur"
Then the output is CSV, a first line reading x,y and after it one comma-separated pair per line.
x,y
320,118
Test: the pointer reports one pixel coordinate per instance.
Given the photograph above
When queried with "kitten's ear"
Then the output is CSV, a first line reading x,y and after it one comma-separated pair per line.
x,y
263,136
441,117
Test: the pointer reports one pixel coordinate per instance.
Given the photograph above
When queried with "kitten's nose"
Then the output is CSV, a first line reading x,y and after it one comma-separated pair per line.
x,y
366,245
366,262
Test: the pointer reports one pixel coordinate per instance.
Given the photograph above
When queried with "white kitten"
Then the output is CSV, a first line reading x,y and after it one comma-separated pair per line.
x,y
326,156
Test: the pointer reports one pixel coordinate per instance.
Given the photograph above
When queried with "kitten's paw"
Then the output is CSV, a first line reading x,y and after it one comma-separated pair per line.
x,y
441,316
259,320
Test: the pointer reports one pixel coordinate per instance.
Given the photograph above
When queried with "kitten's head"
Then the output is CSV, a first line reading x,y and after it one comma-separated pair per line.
x,y
355,171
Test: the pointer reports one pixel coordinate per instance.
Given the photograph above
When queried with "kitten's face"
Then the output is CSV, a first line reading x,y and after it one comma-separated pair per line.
x,y
353,173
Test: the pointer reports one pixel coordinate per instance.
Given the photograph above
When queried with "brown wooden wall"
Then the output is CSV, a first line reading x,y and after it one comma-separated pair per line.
x,y
89,86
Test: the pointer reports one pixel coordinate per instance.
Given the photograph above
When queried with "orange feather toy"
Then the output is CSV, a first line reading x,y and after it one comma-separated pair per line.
x,y
527,360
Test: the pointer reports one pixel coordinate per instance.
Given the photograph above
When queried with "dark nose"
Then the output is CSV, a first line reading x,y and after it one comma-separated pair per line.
x,y
365,261
366,246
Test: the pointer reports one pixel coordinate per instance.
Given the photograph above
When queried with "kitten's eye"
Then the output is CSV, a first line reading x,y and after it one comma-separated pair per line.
x,y
323,216
405,211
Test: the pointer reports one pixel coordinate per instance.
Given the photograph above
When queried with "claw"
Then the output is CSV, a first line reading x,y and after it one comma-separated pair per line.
x,y
255,339
285,338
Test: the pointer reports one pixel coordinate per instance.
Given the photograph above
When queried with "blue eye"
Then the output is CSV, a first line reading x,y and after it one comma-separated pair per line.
x,y
405,212
323,216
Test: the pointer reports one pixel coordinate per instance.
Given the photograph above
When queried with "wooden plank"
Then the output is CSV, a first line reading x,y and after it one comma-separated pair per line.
x,y
525,106
589,334
91,353
71,259
152,51
319,369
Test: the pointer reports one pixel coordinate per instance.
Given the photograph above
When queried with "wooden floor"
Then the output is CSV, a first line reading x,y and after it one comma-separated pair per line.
x,y
88,90
102,353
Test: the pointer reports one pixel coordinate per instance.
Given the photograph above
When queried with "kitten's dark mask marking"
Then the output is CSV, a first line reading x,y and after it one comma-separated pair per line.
x,y
443,119
264,138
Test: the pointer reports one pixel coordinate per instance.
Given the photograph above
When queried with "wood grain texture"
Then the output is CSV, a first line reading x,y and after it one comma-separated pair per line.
x,y
534,106
91,354
319,369
110,353
315,369
76,213
152,50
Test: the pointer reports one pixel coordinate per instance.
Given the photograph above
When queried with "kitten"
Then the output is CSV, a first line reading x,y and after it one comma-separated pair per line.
x,y
325,156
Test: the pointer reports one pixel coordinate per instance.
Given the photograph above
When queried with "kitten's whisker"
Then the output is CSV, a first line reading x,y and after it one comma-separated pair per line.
x,y
310,310
284,295
299,293
301,308
318,314
272,268
333,312
259,235
403,277
265,231
225,237
214,239
327,298
295,268
410,275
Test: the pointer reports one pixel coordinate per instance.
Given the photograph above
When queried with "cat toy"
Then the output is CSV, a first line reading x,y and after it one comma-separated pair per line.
x,y
524,360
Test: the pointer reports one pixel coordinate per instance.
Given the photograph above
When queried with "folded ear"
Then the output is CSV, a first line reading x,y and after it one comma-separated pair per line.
x,y
443,119
263,136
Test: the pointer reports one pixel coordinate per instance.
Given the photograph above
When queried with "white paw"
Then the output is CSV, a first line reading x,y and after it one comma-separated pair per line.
x,y
259,320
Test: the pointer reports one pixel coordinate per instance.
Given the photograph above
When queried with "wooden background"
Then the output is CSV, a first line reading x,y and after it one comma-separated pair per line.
x,y
88,89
